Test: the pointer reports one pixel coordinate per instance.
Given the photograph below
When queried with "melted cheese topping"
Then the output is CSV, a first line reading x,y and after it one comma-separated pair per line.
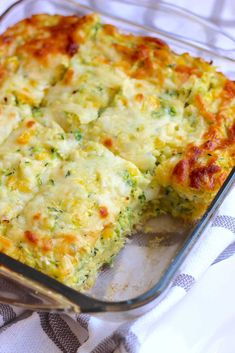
x,y
98,131
69,214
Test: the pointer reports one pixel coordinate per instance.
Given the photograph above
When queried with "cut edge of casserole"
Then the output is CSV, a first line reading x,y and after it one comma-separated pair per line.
x,y
100,130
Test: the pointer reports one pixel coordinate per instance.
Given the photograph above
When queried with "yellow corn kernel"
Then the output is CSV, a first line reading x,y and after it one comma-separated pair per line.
x,y
154,101
34,83
76,220
83,78
88,148
13,63
124,101
24,138
42,156
11,181
108,232
5,243
133,171
81,181
159,143
96,103
23,187
83,250
25,98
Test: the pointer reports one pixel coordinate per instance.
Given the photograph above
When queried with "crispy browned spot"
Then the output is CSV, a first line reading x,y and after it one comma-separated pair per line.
x,y
32,237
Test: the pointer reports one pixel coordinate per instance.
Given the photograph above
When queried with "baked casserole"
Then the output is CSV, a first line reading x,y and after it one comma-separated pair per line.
x,y
99,131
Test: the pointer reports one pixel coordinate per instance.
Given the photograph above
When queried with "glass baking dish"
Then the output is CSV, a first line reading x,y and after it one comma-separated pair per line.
x,y
146,267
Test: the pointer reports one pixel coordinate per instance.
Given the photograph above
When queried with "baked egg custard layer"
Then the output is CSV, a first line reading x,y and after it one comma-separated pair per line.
x,y
100,130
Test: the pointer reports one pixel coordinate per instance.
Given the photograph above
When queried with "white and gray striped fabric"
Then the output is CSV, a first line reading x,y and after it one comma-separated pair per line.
x,y
30,332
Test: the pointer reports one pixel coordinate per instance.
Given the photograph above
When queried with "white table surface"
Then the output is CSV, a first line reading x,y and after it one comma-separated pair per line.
x,y
204,321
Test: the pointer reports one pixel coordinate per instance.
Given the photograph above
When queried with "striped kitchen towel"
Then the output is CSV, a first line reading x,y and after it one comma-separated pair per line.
x,y
31,332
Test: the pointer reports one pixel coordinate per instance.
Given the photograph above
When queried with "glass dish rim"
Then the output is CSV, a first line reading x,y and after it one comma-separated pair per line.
x,y
84,302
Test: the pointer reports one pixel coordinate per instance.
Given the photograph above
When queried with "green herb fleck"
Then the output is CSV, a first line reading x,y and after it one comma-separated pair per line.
x,y
193,121
20,246
37,112
17,102
39,180
8,172
34,149
61,135
51,181
96,28
95,251
71,116
55,153
54,209
78,135
171,111
100,112
156,114
68,174
211,86
125,219
99,88
142,198
172,92
128,179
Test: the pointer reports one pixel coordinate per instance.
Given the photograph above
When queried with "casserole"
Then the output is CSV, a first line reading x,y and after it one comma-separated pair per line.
x,y
147,293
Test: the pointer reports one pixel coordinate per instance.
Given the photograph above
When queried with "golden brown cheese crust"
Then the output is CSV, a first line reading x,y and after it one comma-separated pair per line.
x,y
209,175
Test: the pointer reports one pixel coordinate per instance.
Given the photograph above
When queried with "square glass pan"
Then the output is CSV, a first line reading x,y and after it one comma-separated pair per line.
x,y
145,268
